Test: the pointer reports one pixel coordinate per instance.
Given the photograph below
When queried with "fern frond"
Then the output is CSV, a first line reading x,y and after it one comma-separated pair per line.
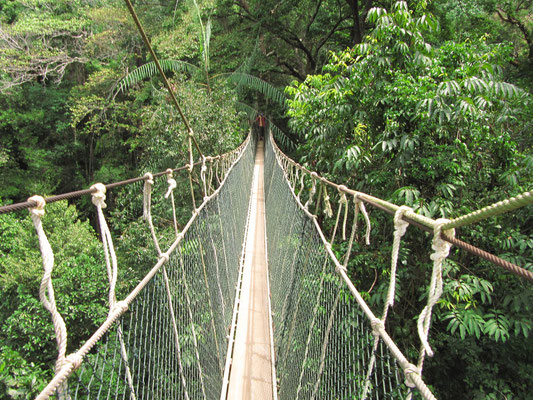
x,y
149,70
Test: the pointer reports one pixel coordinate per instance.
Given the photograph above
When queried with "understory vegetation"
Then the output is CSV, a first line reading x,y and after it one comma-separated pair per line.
x,y
422,103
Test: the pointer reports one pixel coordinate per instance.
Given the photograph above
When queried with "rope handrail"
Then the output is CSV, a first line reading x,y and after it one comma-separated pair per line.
x,y
78,193
427,224
490,211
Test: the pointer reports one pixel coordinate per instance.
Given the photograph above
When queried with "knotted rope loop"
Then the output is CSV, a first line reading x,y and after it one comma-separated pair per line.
x,y
147,194
339,267
38,210
343,201
171,183
441,250
165,257
98,197
377,325
148,178
46,290
400,227
202,175
312,190
327,205
361,207
399,224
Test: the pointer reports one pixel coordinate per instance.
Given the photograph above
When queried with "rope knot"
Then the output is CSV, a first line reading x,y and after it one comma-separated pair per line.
x,y
148,178
121,306
171,186
98,198
342,189
399,224
38,210
339,267
314,174
376,324
440,246
327,205
165,257
75,360
410,371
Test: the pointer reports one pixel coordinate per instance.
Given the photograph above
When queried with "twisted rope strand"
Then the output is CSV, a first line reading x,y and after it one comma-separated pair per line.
x,y
98,200
46,290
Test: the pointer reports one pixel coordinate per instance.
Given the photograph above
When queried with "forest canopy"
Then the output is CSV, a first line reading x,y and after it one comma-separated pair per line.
x,y
422,103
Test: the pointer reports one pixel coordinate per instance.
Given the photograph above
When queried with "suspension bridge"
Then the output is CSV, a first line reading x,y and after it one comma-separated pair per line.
x,y
249,301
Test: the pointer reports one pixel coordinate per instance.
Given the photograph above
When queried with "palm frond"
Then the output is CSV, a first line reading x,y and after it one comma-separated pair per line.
x,y
149,70
255,83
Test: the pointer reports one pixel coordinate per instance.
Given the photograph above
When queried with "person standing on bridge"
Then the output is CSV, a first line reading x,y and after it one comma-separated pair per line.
x,y
261,122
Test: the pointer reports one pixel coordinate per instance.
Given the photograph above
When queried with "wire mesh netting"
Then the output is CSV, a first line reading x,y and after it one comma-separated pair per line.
x,y
172,341
323,342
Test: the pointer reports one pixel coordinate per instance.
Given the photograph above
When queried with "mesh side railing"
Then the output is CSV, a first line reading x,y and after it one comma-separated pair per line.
x,y
323,342
139,357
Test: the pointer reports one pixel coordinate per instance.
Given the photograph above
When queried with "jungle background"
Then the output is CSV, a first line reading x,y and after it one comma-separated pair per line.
x,y
423,103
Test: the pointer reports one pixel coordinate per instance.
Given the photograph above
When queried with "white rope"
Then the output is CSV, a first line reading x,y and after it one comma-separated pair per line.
x,y
352,234
343,201
312,190
362,208
170,192
46,290
441,250
147,194
171,183
202,175
301,185
98,199
147,208
400,227
327,205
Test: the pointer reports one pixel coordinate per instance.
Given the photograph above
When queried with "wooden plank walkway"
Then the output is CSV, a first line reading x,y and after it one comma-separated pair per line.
x,y
251,370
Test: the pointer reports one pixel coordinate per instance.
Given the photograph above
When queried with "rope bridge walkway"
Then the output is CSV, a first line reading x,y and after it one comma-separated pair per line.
x,y
249,300
179,334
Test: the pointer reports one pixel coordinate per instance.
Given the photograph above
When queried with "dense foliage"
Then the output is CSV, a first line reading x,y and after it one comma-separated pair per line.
x,y
427,105
435,126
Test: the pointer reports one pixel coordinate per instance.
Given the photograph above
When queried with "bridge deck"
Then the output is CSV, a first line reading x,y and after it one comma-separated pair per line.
x,y
251,370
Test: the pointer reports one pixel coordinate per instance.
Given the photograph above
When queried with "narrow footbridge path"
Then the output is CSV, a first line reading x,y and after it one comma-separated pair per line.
x,y
251,374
